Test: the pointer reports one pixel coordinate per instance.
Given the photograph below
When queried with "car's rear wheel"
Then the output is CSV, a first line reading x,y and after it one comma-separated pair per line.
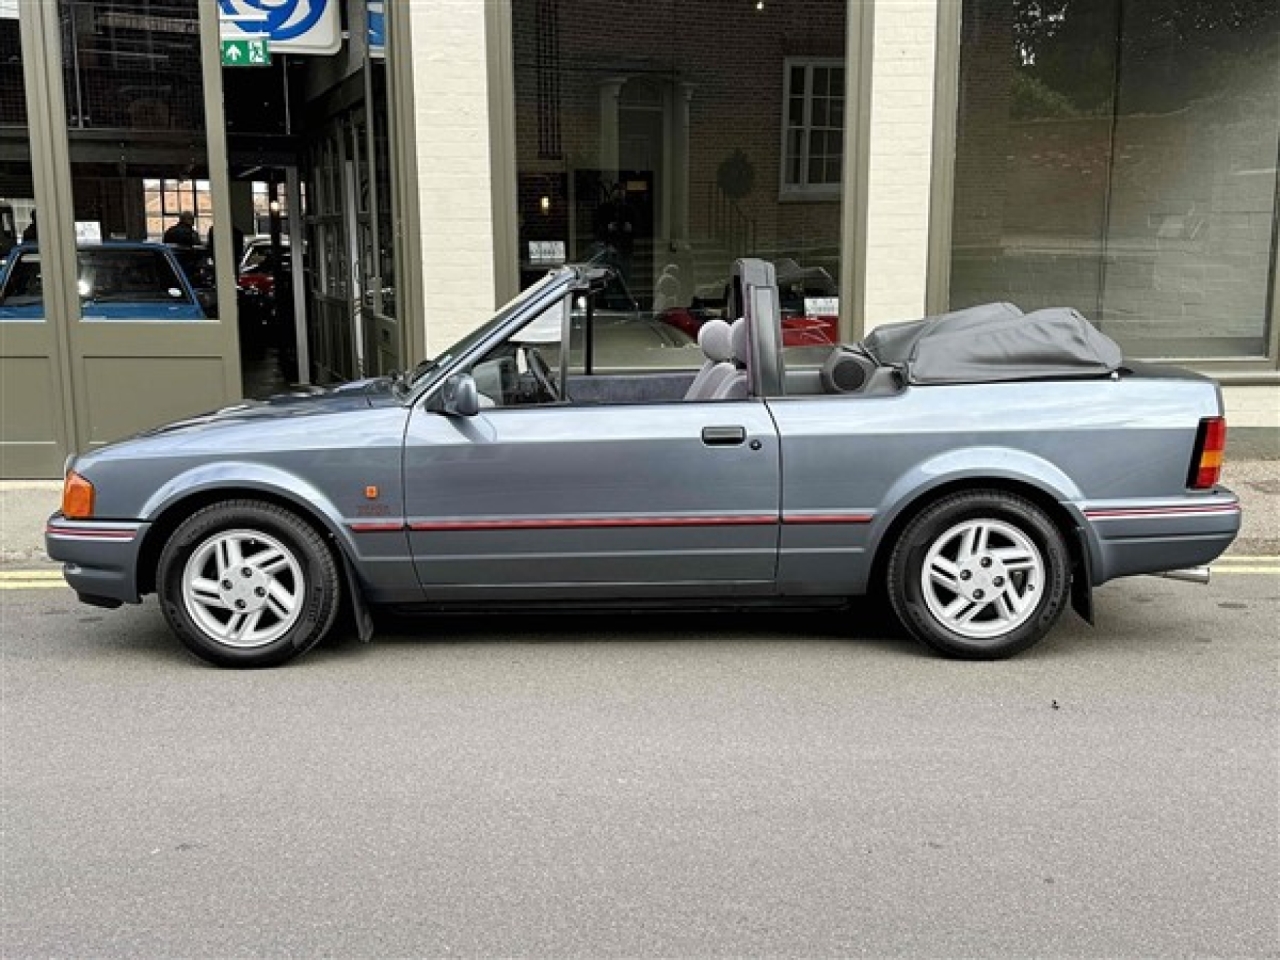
x,y
980,574
248,584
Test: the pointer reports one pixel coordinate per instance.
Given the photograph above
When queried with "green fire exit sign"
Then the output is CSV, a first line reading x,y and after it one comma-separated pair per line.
x,y
249,52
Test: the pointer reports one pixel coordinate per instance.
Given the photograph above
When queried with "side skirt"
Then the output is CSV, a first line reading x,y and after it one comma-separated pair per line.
x,y
640,605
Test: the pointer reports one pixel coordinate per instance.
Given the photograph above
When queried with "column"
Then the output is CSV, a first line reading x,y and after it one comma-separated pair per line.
x,y
454,173
901,156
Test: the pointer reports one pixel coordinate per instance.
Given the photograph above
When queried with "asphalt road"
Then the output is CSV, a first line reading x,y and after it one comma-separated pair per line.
x,y
718,785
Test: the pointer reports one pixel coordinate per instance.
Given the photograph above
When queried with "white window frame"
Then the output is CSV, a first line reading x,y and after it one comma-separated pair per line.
x,y
805,190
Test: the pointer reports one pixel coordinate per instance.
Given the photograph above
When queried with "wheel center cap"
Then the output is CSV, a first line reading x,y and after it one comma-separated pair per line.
x,y
983,579
245,590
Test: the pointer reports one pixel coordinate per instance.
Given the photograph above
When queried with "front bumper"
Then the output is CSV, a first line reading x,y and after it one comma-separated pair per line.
x,y
99,557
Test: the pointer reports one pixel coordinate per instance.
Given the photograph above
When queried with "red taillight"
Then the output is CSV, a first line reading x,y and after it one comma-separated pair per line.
x,y
1206,464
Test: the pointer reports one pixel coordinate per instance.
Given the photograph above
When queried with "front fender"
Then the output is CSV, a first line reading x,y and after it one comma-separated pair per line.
x,y
969,465
237,475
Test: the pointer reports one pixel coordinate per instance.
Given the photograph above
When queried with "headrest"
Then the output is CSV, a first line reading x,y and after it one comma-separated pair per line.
x,y
740,340
715,340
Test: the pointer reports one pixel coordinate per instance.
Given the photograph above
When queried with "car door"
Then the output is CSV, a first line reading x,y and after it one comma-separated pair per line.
x,y
564,501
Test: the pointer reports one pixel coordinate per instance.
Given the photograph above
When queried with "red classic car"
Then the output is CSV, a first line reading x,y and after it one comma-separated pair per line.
x,y
809,301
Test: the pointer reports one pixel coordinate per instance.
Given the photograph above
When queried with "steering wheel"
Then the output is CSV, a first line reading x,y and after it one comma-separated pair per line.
x,y
541,373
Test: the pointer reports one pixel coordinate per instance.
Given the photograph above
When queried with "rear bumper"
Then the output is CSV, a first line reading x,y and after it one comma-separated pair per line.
x,y
1136,537
99,557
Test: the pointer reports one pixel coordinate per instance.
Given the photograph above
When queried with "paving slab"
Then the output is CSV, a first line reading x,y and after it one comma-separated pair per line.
x,y
25,505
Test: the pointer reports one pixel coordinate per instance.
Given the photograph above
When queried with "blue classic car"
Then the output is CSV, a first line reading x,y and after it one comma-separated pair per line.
x,y
985,469
117,280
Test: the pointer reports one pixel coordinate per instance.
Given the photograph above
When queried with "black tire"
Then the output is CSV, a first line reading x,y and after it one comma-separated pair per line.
x,y
1010,608
306,574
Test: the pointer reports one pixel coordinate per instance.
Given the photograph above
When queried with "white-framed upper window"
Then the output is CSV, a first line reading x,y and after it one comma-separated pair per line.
x,y
165,199
812,127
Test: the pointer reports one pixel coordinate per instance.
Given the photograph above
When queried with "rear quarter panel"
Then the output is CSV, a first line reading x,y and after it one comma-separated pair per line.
x,y
868,459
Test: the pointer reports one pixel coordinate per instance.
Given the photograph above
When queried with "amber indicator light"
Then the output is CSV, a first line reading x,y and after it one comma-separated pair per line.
x,y
1206,465
77,497
371,493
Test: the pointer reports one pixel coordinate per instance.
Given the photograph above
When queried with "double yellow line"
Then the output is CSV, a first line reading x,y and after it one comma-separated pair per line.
x,y
1261,565
31,579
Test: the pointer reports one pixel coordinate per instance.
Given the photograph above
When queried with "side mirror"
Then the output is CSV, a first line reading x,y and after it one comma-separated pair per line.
x,y
459,396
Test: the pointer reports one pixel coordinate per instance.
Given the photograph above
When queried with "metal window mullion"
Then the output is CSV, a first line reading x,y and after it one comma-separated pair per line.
x,y
38,23
855,167
405,200
298,258
220,189
371,146
946,112
503,161
75,64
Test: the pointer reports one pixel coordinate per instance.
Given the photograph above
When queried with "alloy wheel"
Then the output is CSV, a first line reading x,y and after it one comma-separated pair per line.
x,y
982,578
243,588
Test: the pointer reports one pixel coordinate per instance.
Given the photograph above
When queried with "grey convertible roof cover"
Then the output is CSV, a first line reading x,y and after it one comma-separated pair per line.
x,y
995,342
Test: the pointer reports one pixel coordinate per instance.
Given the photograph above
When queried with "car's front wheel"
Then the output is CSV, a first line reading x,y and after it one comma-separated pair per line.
x,y
980,574
248,584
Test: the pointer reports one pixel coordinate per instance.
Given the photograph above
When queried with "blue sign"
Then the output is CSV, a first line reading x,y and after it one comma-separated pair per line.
x,y
290,26
377,18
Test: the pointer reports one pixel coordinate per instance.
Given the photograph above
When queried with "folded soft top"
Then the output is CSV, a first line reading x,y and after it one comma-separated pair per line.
x,y
994,342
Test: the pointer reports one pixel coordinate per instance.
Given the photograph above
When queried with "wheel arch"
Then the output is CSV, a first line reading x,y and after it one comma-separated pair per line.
x,y
1047,488
177,501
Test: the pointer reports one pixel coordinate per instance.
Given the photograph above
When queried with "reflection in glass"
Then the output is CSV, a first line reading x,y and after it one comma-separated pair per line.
x,y
667,139
166,201
22,290
1119,156
138,159
132,64
18,217
1192,205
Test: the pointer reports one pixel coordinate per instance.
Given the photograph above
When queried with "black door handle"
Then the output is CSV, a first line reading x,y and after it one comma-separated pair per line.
x,y
723,436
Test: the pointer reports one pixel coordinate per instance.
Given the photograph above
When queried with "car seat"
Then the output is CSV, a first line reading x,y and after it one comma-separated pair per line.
x,y
715,339
737,386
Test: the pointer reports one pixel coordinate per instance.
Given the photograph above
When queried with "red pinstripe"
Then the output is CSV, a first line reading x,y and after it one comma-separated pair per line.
x,y
604,523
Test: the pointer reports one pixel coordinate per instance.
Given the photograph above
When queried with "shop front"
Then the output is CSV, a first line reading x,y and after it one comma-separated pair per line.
x,y
181,224
667,139
107,328
1120,156
343,209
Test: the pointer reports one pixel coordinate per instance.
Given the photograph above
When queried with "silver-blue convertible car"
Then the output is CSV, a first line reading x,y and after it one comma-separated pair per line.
x,y
984,469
